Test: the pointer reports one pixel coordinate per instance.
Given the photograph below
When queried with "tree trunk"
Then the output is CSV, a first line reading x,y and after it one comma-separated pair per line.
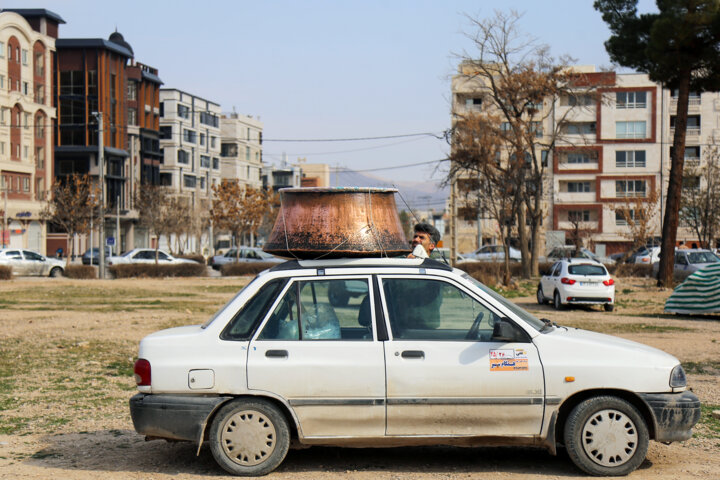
x,y
674,192
506,261
522,235
535,252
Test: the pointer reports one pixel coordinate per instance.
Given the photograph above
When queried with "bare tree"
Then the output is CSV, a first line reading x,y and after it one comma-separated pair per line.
x,y
517,83
700,205
72,202
640,215
156,212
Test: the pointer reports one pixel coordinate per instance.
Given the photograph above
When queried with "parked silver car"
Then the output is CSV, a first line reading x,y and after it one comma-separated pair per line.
x,y
688,261
492,253
247,254
27,262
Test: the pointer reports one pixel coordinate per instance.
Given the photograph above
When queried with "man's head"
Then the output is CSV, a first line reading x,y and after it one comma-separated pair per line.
x,y
426,235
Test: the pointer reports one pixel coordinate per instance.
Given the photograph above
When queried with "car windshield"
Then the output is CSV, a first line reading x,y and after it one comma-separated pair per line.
x,y
530,319
702,257
586,269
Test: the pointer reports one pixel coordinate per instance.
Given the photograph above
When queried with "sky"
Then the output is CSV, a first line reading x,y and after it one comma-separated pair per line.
x,y
317,69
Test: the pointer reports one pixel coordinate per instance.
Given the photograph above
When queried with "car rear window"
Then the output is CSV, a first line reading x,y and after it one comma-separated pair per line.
x,y
586,270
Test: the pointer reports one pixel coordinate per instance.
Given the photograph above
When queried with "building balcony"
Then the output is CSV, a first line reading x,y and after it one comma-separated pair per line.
x,y
694,103
692,133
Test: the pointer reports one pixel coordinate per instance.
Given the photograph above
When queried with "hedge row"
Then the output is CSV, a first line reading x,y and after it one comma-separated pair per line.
x,y
152,270
238,269
194,256
5,273
490,273
81,271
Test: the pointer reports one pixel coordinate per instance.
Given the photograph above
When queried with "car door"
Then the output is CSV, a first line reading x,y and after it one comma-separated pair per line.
x,y
445,373
36,264
16,261
549,281
324,360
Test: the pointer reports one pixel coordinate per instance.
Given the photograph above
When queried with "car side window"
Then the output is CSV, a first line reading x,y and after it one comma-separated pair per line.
x,y
32,256
337,309
14,254
425,309
162,256
243,324
680,259
555,270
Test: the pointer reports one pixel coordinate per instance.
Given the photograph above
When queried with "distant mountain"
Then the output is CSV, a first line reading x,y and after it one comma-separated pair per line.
x,y
418,195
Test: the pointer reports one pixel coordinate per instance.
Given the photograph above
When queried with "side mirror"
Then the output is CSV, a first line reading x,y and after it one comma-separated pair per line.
x,y
505,330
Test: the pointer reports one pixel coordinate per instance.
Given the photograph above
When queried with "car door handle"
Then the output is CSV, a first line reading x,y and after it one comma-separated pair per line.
x,y
413,354
276,354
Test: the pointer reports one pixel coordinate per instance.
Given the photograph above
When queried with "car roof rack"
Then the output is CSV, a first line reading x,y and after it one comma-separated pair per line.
x,y
362,262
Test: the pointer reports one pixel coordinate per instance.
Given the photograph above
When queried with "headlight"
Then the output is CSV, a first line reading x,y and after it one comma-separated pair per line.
x,y
677,377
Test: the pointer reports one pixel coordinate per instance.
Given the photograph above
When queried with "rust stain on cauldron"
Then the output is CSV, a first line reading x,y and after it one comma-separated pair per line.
x,y
337,222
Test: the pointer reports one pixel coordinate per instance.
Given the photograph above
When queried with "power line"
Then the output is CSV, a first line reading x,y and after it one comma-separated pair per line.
x,y
345,169
357,139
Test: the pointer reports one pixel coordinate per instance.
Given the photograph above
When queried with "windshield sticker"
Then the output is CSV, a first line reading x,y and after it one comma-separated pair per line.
x,y
508,360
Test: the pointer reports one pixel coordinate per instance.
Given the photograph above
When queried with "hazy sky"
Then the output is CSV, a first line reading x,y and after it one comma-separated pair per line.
x,y
327,69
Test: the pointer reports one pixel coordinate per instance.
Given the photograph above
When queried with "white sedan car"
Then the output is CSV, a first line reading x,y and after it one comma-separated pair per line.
x,y
146,255
492,253
578,282
423,355
27,262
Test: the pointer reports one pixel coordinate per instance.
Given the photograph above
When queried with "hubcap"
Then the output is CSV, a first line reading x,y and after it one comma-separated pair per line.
x,y
248,438
610,438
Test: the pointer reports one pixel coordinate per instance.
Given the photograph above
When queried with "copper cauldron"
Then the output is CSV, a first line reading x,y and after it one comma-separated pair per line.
x,y
337,222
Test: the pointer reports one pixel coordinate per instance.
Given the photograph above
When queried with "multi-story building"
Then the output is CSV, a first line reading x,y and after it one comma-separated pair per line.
x,y
241,150
190,139
611,154
27,46
96,80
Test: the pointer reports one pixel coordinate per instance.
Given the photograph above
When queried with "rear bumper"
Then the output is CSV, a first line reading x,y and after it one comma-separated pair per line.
x,y
588,300
675,414
178,417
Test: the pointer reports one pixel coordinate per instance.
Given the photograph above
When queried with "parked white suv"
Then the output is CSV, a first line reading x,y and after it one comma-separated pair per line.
x,y
424,355
579,282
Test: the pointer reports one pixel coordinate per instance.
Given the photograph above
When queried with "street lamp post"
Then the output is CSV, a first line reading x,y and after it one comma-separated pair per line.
x,y
101,164
5,215
92,214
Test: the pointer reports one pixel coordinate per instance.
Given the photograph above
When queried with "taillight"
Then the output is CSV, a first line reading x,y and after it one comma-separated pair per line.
x,y
567,281
609,282
142,372
645,259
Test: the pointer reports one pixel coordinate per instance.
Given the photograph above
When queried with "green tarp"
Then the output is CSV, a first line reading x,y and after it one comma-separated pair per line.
x,y
699,293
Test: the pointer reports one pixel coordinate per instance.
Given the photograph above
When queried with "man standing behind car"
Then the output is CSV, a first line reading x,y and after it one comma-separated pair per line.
x,y
424,241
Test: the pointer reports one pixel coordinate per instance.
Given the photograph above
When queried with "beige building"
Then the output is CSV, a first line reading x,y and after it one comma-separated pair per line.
x,y
612,152
241,149
27,45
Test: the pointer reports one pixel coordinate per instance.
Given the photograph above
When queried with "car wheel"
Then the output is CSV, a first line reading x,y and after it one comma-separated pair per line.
x,y
249,437
606,436
557,303
56,272
540,296
609,307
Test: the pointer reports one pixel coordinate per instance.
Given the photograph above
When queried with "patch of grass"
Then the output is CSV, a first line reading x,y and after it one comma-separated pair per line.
x,y
11,425
122,368
626,291
711,367
626,327
44,454
709,426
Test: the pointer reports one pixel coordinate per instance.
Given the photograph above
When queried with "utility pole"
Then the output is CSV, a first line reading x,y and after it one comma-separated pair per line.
x,y
5,217
101,165
92,214
117,225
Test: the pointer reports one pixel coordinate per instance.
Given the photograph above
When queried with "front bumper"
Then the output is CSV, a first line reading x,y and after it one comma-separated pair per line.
x,y
675,414
177,417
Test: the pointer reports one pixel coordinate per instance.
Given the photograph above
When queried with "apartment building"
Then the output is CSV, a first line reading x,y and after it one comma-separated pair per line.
x,y
27,46
190,139
613,151
241,149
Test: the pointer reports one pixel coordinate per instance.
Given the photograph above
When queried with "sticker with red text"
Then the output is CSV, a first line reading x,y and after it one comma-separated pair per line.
x,y
508,360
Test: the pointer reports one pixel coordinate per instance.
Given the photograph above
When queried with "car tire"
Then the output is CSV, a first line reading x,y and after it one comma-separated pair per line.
x,y
249,437
56,272
609,307
606,436
557,303
540,297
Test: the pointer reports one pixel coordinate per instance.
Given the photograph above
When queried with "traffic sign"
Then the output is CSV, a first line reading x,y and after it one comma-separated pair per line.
x,y
110,241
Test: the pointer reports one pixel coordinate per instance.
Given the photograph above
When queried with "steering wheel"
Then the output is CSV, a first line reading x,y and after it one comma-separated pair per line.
x,y
472,333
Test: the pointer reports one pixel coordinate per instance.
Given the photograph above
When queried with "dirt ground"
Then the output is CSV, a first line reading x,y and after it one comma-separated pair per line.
x,y
66,353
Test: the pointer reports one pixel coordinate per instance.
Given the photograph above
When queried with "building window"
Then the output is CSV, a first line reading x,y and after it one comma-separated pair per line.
x,y
212,141
40,94
132,116
24,57
39,188
581,157
92,82
630,159
204,161
189,136
578,128
207,118
202,183
629,188
693,122
132,91
202,139
2,49
630,100
473,104
630,129
26,116
579,215
26,184
247,154
26,88
578,187
189,181
72,83
183,111
216,163
72,111
165,133
183,157
582,99
691,183
40,158
2,82
40,64
622,216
